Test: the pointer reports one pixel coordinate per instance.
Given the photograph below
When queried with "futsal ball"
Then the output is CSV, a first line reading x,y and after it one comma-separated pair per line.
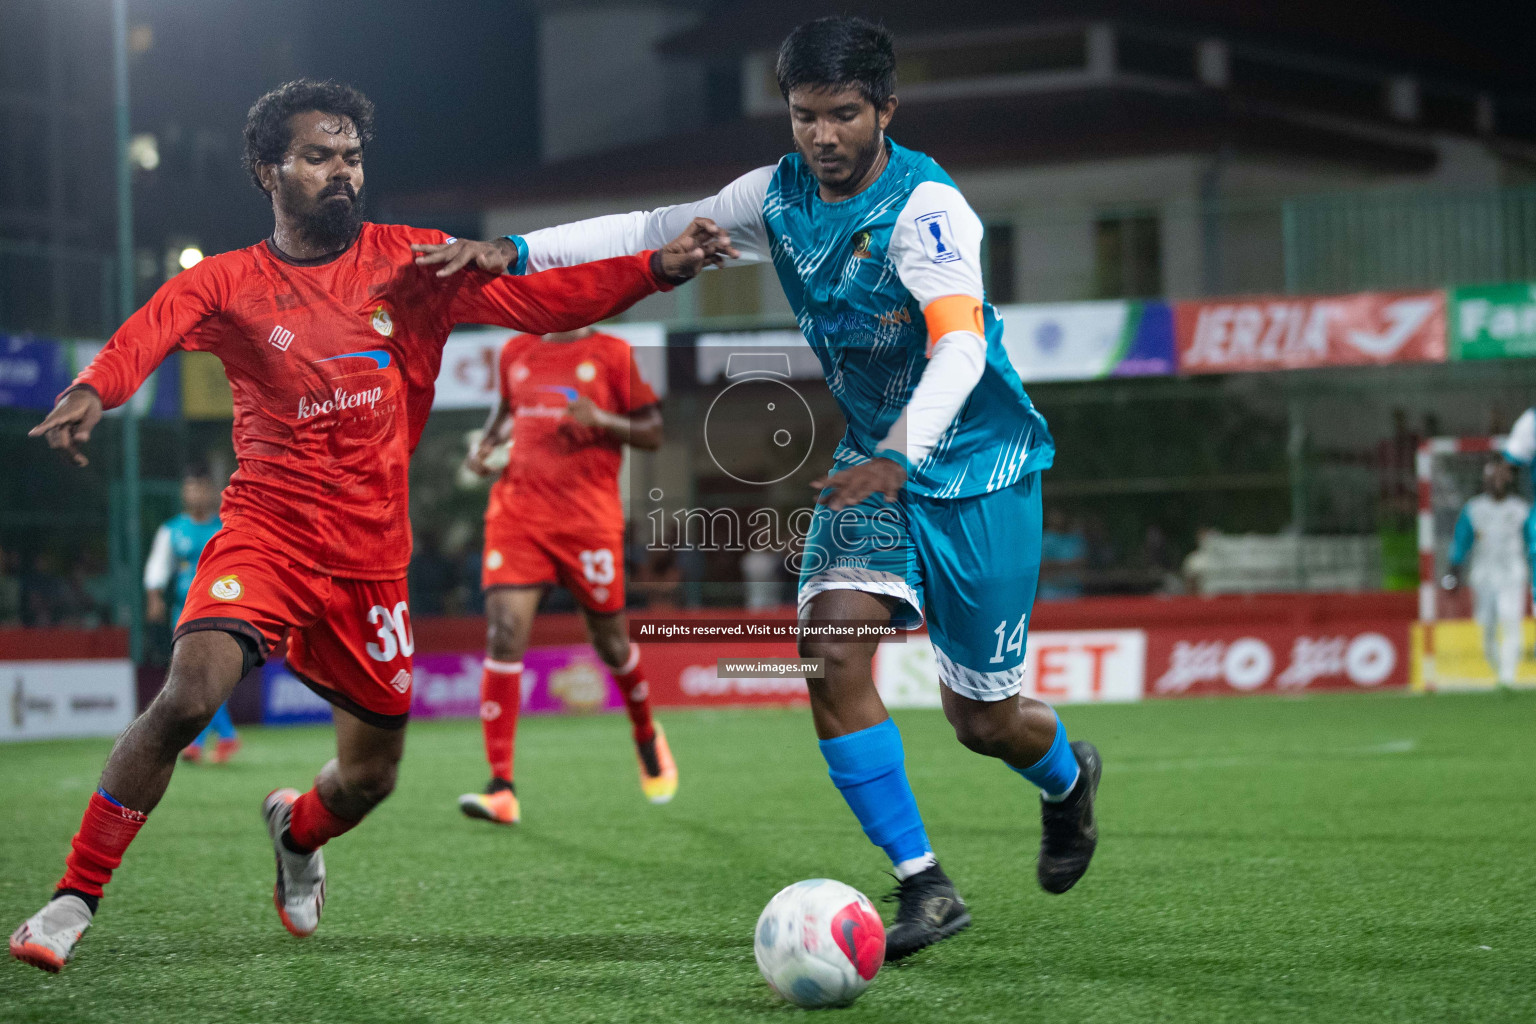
x,y
819,943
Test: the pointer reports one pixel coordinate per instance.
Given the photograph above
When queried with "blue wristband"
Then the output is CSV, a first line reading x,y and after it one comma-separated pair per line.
x,y
521,267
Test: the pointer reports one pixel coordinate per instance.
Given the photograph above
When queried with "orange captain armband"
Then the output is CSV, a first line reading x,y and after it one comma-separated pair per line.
x,y
952,313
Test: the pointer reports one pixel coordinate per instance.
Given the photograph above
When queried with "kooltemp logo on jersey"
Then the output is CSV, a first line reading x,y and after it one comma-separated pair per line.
x,y
550,411
938,239
340,401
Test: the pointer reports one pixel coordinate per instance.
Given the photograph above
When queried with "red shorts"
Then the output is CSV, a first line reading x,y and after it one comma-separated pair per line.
x,y
585,559
348,640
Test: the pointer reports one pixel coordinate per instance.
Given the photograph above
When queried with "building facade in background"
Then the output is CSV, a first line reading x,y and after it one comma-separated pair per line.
x,y
1113,149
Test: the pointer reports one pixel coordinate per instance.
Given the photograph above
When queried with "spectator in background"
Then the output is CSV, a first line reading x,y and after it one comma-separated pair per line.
x,y
1158,563
658,580
431,575
1199,563
762,579
471,595
1397,478
1102,564
80,596
39,592
1063,555
10,589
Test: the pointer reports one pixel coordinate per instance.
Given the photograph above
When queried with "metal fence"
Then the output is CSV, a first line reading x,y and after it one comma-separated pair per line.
x,y
1360,241
59,291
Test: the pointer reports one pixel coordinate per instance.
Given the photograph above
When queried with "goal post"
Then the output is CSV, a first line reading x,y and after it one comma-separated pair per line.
x,y
1448,640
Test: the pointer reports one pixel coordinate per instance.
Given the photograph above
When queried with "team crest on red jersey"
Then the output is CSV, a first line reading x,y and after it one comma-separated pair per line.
x,y
227,588
586,371
382,322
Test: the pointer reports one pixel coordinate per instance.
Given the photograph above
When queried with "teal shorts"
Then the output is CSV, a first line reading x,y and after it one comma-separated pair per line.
x,y
969,566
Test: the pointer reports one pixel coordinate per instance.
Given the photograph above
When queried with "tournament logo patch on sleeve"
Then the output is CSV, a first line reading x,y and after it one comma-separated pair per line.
x,y
938,239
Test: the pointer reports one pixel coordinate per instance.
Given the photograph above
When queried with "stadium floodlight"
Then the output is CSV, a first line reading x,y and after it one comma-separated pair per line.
x,y
144,151
190,257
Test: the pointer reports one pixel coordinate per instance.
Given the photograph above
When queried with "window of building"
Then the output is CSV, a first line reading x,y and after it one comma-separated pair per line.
x,y
1128,260
722,94
1032,54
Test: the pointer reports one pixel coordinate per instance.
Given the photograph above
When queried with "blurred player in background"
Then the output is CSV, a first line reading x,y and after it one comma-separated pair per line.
x,y
570,401
1492,530
880,256
331,340
172,562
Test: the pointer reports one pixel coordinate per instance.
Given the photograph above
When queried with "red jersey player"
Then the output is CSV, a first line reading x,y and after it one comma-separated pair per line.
x,y
572,401
331,338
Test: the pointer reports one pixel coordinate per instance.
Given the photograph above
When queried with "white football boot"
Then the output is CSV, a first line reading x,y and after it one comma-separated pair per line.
x,y
47,938
300,890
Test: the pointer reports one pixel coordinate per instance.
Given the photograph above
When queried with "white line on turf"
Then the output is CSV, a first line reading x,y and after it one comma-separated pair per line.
x,y
1406,746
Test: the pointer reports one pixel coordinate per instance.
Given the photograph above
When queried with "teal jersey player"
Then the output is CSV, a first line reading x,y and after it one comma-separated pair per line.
x,y
859,274
168,574
931,510
173,557
1520,451
879,282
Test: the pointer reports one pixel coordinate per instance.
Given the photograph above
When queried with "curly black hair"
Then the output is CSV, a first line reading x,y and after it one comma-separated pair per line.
x,y
267,131
839,52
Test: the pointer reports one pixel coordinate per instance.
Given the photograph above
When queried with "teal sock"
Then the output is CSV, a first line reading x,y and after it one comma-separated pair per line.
x,y
1056,772
869,769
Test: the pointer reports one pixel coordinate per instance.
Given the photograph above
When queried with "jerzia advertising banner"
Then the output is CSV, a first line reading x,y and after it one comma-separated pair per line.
x,y
1264,333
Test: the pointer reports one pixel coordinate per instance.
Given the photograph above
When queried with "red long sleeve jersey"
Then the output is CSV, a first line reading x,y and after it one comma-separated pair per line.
x,y
559,472
333,365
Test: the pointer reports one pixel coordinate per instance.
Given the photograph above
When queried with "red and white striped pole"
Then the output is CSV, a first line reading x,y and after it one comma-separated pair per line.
x,y
1429,587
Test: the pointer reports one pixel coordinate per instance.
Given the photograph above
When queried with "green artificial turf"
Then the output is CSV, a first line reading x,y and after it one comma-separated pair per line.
x,y
1356,858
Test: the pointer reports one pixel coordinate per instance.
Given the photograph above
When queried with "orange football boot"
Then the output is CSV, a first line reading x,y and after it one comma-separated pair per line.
x,y
661,787
501,807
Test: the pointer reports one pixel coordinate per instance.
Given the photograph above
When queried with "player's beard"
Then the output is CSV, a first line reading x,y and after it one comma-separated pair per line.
x,y
863,159
330,224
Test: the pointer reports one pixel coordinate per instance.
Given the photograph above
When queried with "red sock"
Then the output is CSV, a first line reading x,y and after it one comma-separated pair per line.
x,y
631,679
312,824
501,695
97,849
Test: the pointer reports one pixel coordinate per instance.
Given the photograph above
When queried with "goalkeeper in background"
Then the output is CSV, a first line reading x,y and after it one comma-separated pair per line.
x,y
1492,531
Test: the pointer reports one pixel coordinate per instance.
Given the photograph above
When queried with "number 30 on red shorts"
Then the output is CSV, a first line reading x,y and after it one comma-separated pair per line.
x,y
348,640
